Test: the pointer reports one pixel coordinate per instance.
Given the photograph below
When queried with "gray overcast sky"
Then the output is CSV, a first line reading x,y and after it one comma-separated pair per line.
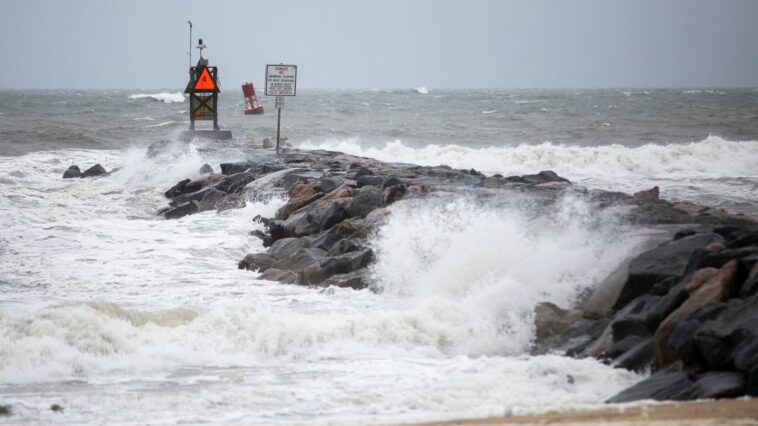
x,y
383,44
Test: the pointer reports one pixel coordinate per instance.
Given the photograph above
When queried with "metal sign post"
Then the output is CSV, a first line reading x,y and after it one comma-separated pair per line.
x,y
281,81
279,105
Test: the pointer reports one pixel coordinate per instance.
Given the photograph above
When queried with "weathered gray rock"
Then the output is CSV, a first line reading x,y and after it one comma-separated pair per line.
x,y
72,172
206,169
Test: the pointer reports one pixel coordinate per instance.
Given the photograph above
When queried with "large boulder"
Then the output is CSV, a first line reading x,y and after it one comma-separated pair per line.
x,y
96,170
182,210
72,172
367,199
730,340
665,261
669,384
707,287
544,176
550,320
235,183
301,195
718,384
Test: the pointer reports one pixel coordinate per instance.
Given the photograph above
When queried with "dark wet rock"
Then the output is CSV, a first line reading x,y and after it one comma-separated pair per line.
x,y
301,195
256,262
608,197
72,172
177,189
56,408
299,176
637,357
707,287
658,213
668,384
394,193
750,286
206,169
235,182
718,384
684,233
733,333
301,260
326,241
666,261
619,348
630,326
5,410
391,181
682,337
543,177
356,280
234,168
284,277
343,264
211,198
377,181
652,194
328,184
719,259
96,170
367,199
287,247
744,239
184,209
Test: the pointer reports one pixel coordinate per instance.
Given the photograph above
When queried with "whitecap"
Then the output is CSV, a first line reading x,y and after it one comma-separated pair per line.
x,y
165,97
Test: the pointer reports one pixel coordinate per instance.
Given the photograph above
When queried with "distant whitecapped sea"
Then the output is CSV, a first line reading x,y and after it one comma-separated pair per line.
x,y
120,316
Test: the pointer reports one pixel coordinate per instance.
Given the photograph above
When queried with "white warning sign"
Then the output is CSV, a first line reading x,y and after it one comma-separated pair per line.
x,y
281,80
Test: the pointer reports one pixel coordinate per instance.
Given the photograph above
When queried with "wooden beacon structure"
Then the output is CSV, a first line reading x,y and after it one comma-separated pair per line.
x,y
203,91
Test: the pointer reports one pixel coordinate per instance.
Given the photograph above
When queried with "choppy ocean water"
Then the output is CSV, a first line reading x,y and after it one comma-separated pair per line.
x,y
122,317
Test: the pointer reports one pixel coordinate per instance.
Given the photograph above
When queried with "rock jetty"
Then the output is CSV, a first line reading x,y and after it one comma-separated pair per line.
x,y
686,310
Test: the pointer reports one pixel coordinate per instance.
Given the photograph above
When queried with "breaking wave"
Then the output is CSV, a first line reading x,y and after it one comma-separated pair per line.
x,y
711,157
165,97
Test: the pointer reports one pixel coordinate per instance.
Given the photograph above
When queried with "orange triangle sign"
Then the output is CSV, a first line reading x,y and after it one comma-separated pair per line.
x,y
205,81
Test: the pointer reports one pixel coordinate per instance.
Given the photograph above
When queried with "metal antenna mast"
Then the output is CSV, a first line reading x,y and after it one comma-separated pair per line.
x,y
190,43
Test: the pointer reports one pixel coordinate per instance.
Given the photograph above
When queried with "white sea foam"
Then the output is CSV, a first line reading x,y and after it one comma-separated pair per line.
x,y
166,97
422,90
103,299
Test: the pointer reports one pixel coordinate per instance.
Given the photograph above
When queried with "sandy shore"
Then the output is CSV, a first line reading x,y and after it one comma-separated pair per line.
x,y
743,411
